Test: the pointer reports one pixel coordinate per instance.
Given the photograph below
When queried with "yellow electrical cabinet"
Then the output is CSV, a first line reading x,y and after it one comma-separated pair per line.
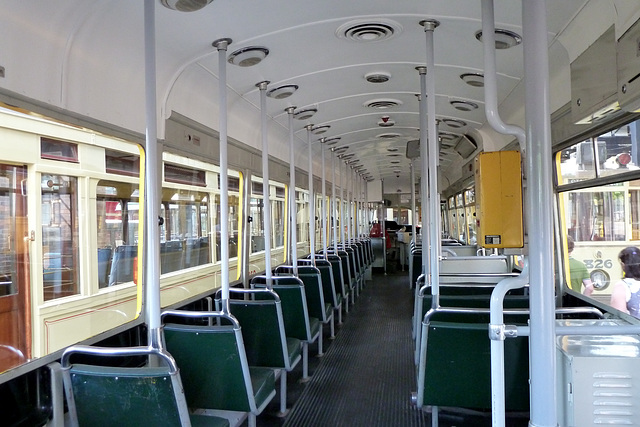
x,y
498,178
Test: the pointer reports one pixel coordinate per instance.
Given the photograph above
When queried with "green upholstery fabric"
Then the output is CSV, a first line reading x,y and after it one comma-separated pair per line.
x,y
457,366
328,285
213,368
108,396
260,321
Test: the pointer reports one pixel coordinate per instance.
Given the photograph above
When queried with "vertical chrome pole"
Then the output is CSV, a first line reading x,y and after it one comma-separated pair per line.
x,y
152,178
434,197
343,197
221,45
293,208
312,200
266,188
414,215
540,221
424,175
335,207
323,216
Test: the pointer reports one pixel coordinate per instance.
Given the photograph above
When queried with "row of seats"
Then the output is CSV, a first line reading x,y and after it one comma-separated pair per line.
x,y
451,330
265,333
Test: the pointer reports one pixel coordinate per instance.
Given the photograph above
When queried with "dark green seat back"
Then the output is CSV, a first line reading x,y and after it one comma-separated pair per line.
x,y
107,396
457,367
213,368
316,302
328,285
338,275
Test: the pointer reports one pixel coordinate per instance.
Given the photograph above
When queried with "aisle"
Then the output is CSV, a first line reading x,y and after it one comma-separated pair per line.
x,y
367,375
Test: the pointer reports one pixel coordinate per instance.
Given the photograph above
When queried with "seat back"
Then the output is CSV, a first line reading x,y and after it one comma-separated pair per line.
x,y
263,329
339,275
293,301
456,354
107,396
312,279
328,283
215,369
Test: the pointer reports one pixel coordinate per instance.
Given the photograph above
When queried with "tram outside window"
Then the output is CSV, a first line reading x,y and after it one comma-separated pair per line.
x,y
278,207
470,215
302,216
118,216
184,234
601,216
233,227
59,219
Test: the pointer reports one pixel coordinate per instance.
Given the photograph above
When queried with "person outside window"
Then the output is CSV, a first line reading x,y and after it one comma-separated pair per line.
x,y
578,273
626,292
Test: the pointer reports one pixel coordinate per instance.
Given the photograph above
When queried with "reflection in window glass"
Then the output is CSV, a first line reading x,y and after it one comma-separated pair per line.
x,y
59,236
617,152
13,205
117,208
256,211
233,217
184,235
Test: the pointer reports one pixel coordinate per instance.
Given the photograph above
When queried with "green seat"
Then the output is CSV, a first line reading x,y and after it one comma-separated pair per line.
x,y
329,288
108,395
424,304
340,279
212,358
455,364
318,308
297,322
263,331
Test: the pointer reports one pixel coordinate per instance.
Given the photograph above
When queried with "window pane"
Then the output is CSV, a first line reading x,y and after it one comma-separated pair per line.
x,y
576,163
117,207
59,236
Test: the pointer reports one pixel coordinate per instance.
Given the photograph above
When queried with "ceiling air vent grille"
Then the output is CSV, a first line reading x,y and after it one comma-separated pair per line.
x,y
366,31
382,104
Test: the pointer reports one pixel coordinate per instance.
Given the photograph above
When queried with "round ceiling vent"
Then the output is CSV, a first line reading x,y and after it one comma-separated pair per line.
x,y
248,56
463,105
185,5
473,79
504,39
332,141
389,135
382,104
282,92
377,77
454,123
318,130
305,113
366,31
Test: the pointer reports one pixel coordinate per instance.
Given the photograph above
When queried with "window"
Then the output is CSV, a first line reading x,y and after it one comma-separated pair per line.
x,y
59,219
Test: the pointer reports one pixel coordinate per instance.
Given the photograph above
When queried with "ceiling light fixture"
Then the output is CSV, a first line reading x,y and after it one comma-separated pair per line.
x,y
248,56
332,141
318,130
282,92
504,38
185,5
305,113
473,79
463,105
454,123
377,77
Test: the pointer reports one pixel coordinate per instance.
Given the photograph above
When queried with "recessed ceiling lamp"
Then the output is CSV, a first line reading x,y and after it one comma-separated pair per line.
x,y
393,155
473,79
282,92
377,77
185,5
504,38
454,123
392,149
463,105
248,56
305,113
347,156
395,162
332,141
318,130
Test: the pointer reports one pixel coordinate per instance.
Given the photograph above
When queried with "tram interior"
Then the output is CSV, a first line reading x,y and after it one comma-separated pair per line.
x,y
364,213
